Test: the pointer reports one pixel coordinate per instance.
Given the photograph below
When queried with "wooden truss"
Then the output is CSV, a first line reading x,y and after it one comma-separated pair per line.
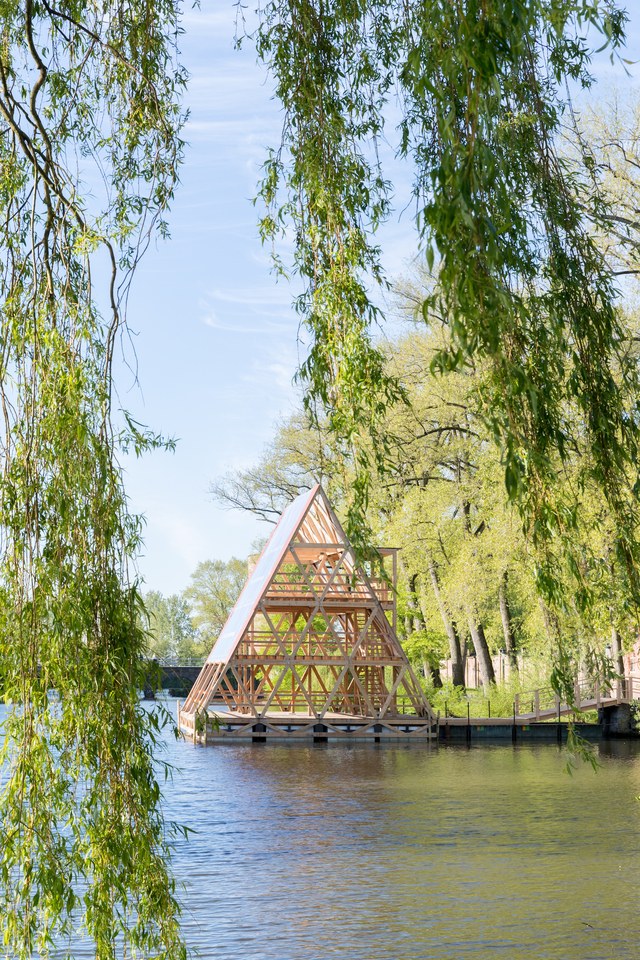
x,y
313,634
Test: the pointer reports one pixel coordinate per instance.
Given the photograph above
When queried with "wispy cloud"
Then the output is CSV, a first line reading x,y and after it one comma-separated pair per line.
x,y
263,310
209,21
281,374
220,23
241,328
257,297
275,369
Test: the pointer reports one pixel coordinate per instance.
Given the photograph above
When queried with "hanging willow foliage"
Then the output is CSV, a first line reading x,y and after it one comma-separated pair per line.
x,y
526,295
89,148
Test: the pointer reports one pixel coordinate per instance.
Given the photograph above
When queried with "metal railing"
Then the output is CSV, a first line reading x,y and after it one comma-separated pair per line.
x,y
178,661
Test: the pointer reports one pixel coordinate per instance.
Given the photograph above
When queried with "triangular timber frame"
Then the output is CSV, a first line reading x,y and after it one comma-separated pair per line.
x,y
309,635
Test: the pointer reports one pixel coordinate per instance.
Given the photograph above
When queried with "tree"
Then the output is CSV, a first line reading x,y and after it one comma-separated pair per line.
x,y
466,572
215,587
170,627
89,149
298,457
519,279
610,135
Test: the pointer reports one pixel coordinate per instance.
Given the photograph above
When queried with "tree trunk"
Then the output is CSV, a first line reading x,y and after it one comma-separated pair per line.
x,y
616,652
505,613
418,622
457,664
413,618
432,674
487,674
436,679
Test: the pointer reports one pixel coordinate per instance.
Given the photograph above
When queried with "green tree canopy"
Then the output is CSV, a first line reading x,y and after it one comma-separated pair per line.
x,y
171,631
214,588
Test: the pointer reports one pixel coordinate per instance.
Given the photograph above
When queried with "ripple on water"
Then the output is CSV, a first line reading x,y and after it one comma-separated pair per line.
x,y
397,853
405,853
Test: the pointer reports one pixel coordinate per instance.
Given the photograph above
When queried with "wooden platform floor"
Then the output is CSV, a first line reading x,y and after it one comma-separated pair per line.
x,y
285,716
280,726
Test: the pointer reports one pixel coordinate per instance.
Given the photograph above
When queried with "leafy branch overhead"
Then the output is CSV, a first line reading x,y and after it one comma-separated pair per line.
x,y
466,573
519,280
89,151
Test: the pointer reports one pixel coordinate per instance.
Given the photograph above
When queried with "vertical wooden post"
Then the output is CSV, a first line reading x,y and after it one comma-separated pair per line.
x,y
395,588
537,704
516,705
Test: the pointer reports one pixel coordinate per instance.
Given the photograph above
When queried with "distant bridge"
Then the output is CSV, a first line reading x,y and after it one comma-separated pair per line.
x,y
173,672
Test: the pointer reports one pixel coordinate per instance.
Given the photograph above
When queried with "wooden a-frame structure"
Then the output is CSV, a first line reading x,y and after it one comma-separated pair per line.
x,y
312,634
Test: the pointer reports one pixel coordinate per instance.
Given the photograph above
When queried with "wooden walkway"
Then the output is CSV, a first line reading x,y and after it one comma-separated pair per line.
x,y
536,706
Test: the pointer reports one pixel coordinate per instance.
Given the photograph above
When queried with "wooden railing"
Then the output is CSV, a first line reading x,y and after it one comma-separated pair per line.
x,y
542,703
297,588
587,695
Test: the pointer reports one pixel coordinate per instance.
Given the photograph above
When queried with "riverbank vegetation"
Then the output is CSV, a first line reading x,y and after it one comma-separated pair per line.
x,y
466,571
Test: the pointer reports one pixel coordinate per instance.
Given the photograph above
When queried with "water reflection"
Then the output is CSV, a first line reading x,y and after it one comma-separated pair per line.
x,y
372,853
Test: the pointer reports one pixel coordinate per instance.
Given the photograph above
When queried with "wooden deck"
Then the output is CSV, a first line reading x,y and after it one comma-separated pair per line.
x,y
277,726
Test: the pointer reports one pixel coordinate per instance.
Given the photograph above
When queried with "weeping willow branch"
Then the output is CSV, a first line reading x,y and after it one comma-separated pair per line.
x,y
89,153
526,294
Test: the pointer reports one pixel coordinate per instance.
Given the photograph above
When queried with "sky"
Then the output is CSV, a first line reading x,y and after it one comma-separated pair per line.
x,y
215,342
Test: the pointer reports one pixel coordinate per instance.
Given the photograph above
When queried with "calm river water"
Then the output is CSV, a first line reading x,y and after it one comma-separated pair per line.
x,y
405,853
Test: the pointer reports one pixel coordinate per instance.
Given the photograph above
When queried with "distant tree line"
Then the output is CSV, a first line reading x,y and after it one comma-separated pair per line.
x,y
185,625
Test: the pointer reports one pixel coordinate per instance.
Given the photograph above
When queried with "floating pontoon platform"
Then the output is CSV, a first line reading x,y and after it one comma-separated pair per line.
x,y
227,727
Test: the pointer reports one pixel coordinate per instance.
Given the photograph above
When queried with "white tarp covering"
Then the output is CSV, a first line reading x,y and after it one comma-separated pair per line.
x,y
261,576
